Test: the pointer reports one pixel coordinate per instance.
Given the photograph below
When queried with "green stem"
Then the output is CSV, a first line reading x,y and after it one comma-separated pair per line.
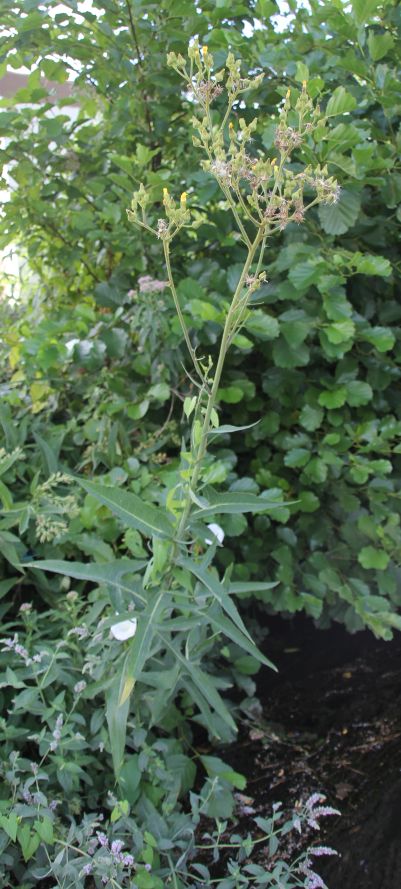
x,y
166,248
216,383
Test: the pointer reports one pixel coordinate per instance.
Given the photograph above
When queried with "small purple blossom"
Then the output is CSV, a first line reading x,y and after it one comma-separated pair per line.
x,y
53,805
25,608
81,632
79,687
147,284
19,649
322,850
14,645
128,860
37,658
148,867
57,732
314,799
315,882
116,847
87,869
102,838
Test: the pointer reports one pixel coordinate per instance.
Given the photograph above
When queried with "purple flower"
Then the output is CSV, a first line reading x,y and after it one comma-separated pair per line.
x,y
19,649
315,798
322,850
148,867
87,869
315,882
102,838
322,811
79,687
147,284
53,805
128,860
116,847
81,632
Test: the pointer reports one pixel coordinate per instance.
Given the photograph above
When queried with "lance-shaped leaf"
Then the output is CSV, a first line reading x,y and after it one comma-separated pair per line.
x,y
213,585
133,511
227,429
116,717
252,586
141,645
220,622
108,573
204,683
232,503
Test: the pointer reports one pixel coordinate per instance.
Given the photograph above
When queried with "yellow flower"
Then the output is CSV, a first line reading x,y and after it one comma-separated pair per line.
x,y
304,84
274,162
204,51
184,197
288,93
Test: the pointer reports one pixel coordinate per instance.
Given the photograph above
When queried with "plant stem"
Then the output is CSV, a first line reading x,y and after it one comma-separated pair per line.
x,y
201,451
166,248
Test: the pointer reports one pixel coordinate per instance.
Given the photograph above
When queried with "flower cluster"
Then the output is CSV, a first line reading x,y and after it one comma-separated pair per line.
x,y
263,190
312,811
147,284
48,506
12,644
108,860
57,733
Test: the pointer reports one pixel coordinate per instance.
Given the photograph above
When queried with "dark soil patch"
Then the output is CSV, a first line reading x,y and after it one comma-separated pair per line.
x,y
331,722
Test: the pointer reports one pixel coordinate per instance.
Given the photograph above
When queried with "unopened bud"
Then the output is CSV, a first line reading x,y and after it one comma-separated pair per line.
x,y
204,51
184,197
288,94
304,84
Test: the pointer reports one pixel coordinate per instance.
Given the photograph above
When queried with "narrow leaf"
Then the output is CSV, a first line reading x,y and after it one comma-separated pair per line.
x,y
224,430
141,643
225,626
108,573
116,716
133,511
235,503
214,586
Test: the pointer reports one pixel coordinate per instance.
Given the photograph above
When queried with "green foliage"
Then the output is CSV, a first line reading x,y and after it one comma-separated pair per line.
x,y
306,439
326,360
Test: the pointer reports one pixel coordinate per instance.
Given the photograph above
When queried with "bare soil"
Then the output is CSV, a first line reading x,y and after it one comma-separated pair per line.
x,y
331,722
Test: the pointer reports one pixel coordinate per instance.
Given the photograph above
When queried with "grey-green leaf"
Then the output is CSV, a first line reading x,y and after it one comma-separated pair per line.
x,y
133,511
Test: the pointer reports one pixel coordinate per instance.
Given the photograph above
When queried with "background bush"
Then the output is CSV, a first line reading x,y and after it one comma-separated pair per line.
x,y
92,373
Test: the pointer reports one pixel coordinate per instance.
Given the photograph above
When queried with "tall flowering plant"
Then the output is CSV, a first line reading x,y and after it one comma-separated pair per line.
x,y
173,606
